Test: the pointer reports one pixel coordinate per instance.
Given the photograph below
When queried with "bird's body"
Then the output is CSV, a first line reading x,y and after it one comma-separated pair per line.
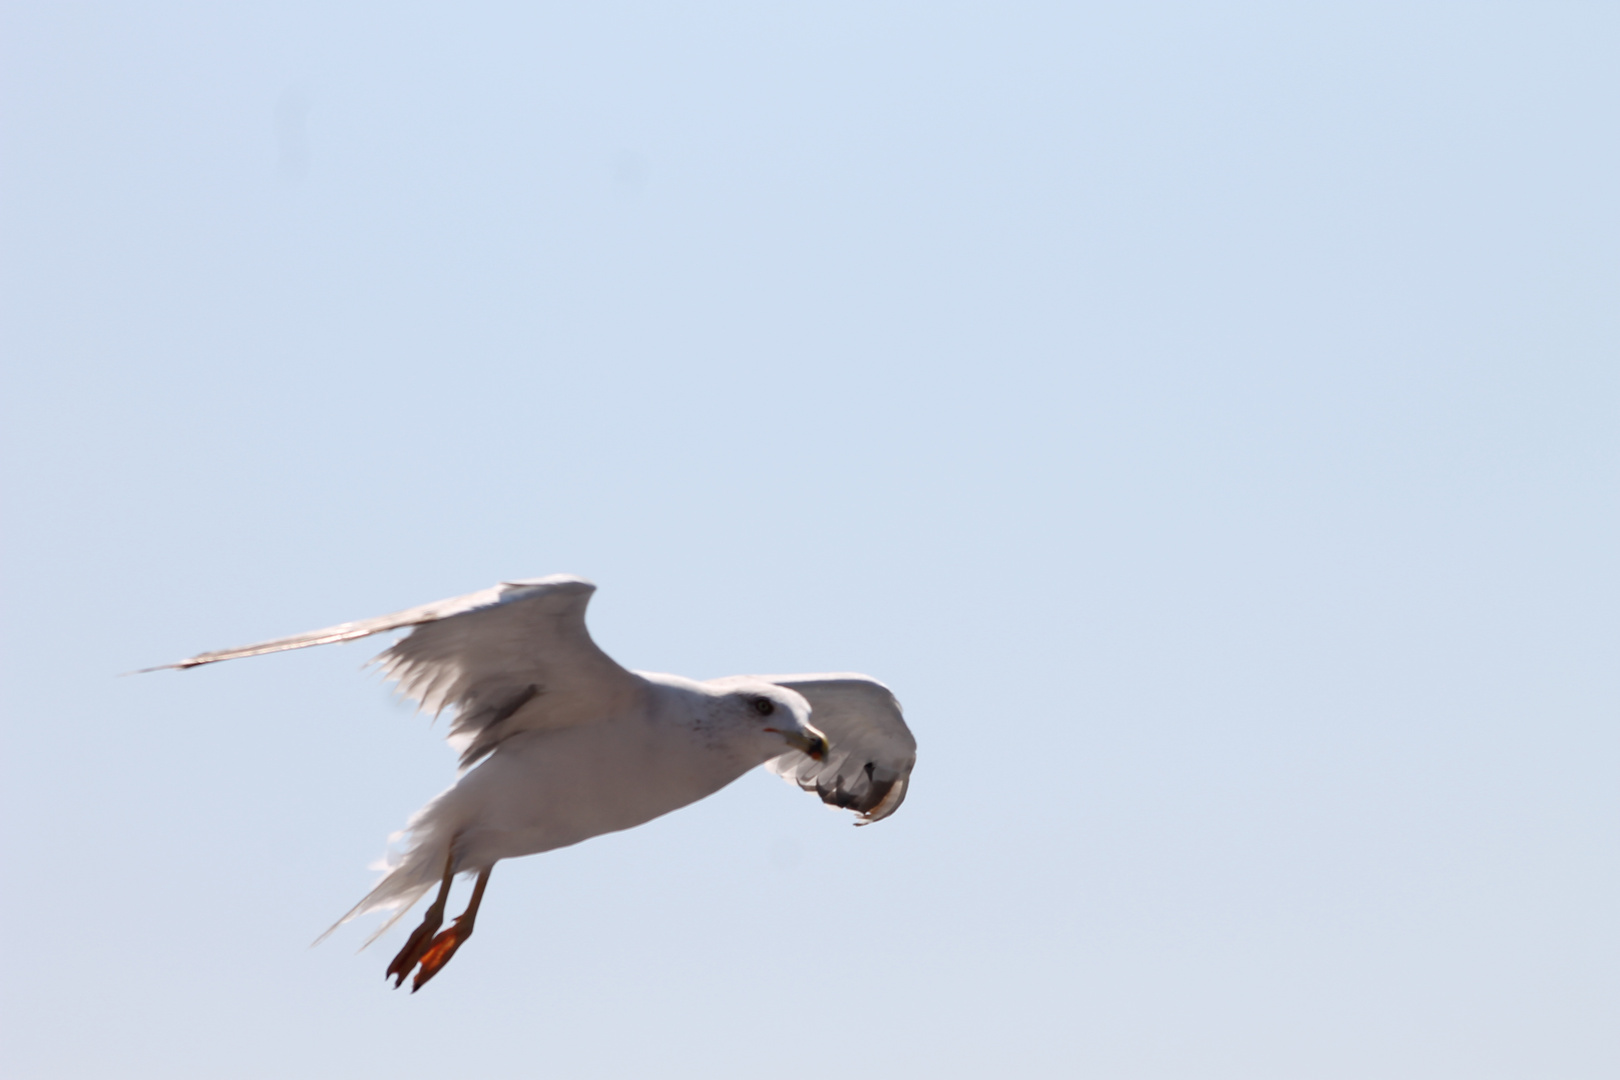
x,y
560,744
541,790
547,789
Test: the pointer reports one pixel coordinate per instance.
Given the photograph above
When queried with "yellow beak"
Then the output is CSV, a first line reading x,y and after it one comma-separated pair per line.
x,y
813,744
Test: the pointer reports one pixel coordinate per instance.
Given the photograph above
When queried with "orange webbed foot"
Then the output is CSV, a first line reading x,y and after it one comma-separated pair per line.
x,y
418,943
439,953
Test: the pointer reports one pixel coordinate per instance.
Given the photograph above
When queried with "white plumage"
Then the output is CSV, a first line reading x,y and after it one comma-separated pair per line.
x,y
559,743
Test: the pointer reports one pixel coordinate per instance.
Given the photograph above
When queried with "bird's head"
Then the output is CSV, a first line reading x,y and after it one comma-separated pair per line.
x,y
773,718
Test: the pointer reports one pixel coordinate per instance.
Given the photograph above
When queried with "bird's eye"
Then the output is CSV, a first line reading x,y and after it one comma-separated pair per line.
x,y
764,706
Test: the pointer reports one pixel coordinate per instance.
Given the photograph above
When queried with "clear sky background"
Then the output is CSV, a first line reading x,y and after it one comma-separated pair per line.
x,y
1203,415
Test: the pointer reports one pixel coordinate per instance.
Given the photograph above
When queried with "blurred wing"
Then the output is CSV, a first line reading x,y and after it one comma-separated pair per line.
x,y
513,658
870,749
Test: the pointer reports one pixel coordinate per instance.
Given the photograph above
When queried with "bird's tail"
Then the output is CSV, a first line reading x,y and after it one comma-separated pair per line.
x,y
409,873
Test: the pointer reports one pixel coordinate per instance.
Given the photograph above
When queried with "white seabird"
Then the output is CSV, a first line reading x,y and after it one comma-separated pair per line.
x,y
559,743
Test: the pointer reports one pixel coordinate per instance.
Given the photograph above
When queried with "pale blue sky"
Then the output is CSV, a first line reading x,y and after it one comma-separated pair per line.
x,y
1204,417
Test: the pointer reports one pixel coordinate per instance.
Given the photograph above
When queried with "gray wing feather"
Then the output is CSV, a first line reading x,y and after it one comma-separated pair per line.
x,y
516,657
871,750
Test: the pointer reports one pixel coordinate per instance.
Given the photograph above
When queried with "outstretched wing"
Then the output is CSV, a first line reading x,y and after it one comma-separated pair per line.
x,y
516,657
870,749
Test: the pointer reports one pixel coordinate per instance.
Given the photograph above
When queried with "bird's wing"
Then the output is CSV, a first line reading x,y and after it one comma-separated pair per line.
x,y
870,750
516,657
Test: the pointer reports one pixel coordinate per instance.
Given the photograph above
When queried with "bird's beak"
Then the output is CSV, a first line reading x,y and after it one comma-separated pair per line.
x,y
811,742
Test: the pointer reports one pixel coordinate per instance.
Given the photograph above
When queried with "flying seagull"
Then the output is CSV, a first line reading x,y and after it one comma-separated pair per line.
x,y
559,743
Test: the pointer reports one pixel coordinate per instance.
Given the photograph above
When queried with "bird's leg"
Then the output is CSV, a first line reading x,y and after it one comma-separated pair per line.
x,y
432,919
445,945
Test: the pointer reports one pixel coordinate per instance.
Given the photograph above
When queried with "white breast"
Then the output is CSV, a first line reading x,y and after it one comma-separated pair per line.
x,y
548,789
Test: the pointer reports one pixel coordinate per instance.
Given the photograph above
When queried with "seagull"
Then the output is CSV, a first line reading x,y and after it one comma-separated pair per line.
x,y
559,743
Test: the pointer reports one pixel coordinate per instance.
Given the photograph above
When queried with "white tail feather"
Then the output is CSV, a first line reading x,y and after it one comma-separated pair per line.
x,y
410,875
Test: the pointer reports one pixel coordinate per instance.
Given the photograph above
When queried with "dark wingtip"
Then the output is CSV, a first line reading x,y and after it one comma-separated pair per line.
x,y
149,670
